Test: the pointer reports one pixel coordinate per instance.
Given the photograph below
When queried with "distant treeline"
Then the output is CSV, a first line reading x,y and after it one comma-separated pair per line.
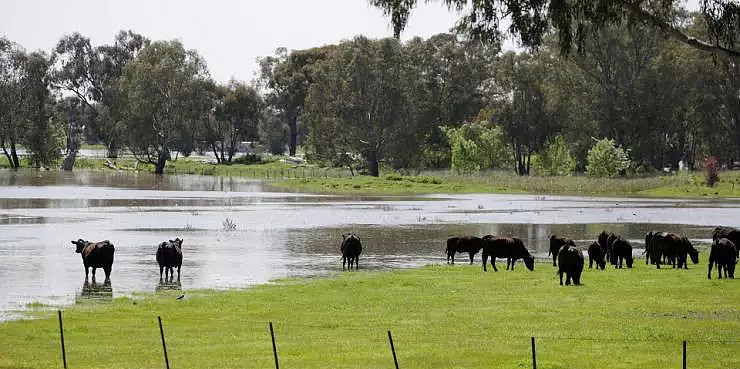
x,y
630,97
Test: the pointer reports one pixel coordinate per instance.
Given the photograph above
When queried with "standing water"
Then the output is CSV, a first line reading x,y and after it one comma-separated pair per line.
x,y
237,232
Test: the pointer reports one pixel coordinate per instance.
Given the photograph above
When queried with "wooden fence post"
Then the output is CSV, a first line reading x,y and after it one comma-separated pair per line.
x,y
393,349
164,345
534,356
274,348
61,334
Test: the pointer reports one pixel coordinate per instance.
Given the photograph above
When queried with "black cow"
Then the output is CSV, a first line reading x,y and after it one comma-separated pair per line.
x,y
605,242
675,247
555,244
469,244
595,255
96,255
169,257
729,233
506,248
351,249
570,262
724,254
621,250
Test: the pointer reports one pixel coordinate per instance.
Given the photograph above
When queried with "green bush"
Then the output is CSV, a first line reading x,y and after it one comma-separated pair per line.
x,y
606,159
555,159
465,157
248,159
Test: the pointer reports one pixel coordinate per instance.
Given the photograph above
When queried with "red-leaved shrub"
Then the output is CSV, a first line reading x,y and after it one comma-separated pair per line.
x,y
711,171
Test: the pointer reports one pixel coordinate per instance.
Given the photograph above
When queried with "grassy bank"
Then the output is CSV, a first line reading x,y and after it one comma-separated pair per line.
x,y
309,178
685,185
440,316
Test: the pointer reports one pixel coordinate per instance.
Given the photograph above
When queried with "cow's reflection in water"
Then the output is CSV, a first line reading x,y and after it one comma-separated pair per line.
x,y
93,291
169,284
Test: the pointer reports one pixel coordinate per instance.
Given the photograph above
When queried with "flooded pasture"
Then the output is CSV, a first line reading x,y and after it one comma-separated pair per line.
x,y
277,234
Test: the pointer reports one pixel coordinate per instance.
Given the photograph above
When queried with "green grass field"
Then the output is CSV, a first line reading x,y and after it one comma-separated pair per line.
x,y
441,317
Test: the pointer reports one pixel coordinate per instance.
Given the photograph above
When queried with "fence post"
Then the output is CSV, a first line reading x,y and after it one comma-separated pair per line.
x,y
684,354
164,345
274,348
393,349
61,334
534,356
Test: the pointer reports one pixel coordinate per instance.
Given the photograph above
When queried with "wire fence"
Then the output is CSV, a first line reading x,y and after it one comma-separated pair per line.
x,y
561,351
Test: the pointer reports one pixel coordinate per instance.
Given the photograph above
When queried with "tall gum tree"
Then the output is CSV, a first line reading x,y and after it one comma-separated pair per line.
x,y
162,94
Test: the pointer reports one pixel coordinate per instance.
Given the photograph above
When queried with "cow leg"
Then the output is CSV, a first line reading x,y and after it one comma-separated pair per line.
x,y
94,272
453,258
493,262
590,263
107,271
561,278
719,269
178,271
709,271
87,271
513,261
485,261
567,279
471,258
344,260
161,269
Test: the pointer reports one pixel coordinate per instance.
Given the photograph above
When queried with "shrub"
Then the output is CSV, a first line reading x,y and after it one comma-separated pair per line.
x,y
711,170
464,155
606,159
248,159
555,159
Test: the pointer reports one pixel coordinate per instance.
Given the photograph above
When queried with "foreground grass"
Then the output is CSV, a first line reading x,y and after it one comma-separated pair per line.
x,y
440,316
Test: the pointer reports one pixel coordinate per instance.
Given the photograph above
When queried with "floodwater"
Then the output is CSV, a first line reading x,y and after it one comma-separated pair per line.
x,y
277,234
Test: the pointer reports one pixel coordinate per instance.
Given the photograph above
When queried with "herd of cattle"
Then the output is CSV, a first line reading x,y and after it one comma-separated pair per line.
x,y
660,248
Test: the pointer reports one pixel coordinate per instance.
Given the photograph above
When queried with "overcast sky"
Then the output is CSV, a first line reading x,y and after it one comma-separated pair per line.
x,y
229,34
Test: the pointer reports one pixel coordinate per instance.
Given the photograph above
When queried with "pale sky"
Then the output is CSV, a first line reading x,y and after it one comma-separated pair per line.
x,y
229,34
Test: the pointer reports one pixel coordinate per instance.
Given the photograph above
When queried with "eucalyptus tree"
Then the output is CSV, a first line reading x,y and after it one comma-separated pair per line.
x,y
237,112
357,104
11,99
91,74
162,95
288,76
573,20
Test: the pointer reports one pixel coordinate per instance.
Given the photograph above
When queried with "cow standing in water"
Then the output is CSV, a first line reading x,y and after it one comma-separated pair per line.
x,y
169,257
351,249
96,255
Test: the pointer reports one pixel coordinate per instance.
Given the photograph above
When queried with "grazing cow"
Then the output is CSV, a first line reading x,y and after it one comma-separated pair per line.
x,y
469,244
605,242
674,247
95,255
724,254
595,254
570,262
506,248
351,249
555,244
621,250
169,256
729,233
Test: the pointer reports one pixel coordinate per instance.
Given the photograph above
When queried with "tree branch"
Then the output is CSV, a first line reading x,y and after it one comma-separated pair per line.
x,y
672,31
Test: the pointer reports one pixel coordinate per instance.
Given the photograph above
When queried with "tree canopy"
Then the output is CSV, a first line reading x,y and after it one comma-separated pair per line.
x,y
573,20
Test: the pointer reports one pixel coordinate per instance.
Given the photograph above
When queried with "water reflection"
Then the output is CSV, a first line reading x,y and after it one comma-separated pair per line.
x,y
169,284
95,292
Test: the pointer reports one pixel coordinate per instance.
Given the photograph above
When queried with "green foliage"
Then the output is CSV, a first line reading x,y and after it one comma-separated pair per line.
x,y
555,159
465,156
476,146
606,159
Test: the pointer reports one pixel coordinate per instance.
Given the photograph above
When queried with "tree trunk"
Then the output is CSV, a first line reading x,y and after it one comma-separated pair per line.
x,y
112,150
69,161
161,161
293,126
7,155
215,152
15,163
372,161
